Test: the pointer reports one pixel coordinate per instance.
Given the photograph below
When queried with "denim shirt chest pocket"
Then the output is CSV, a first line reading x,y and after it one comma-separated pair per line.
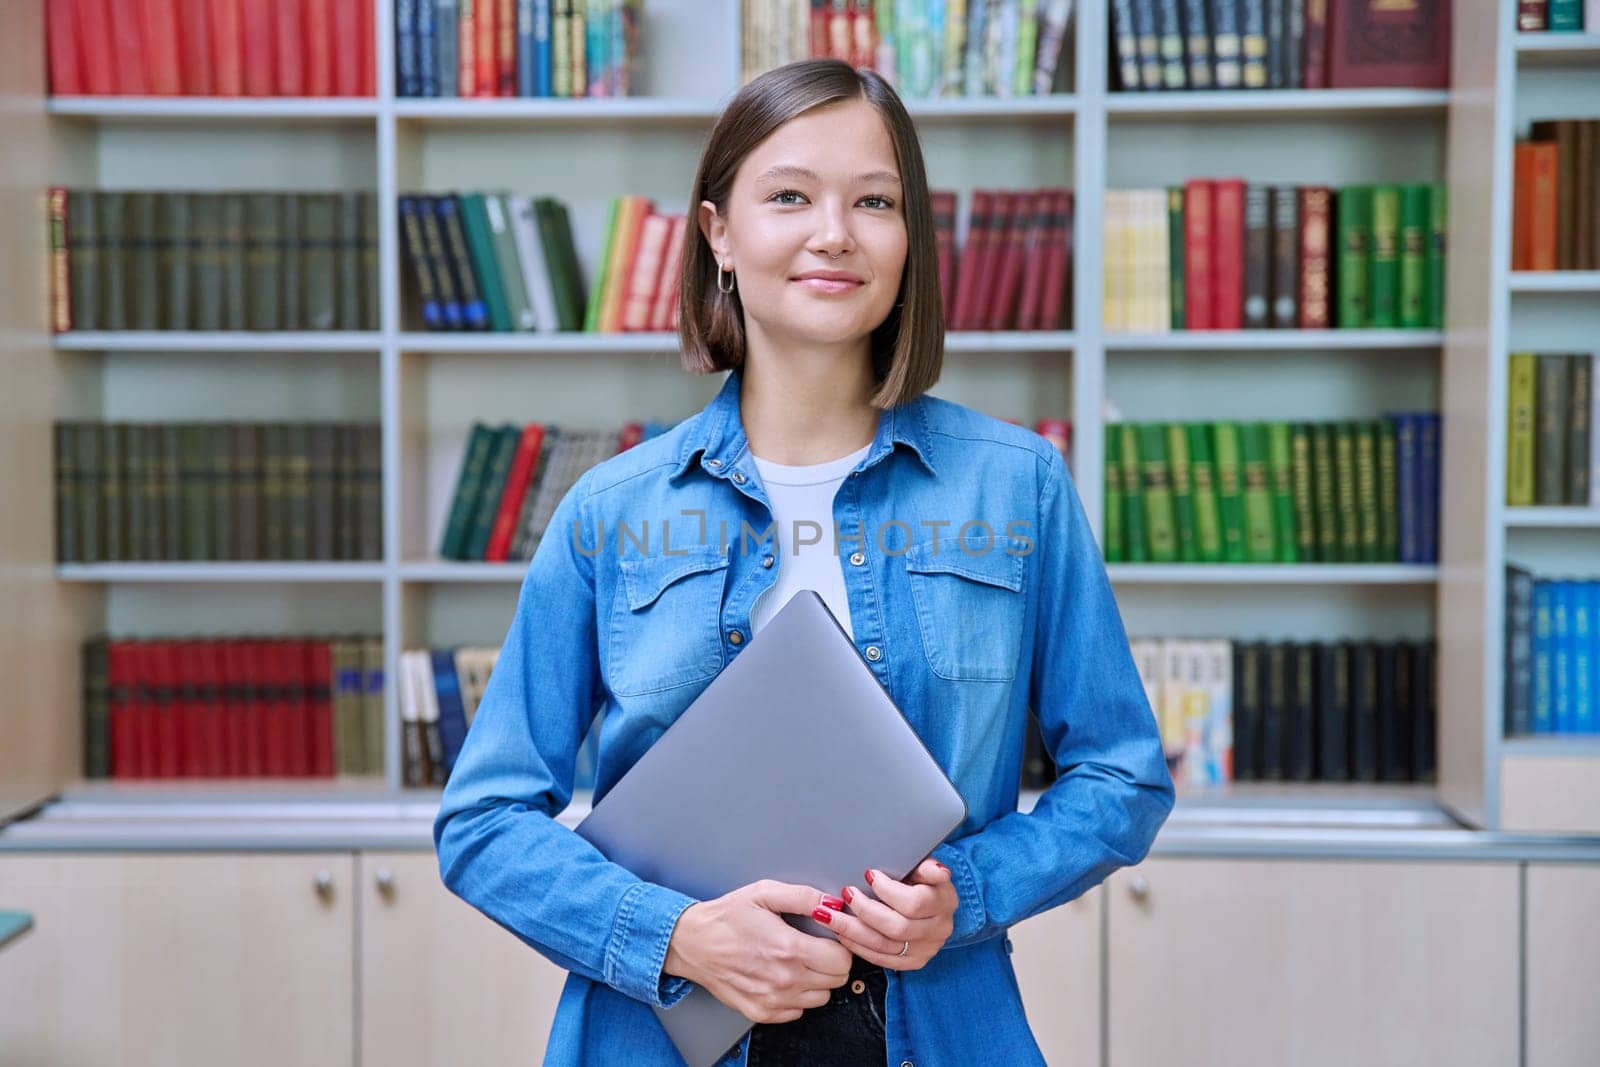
x,y
665,620
969,597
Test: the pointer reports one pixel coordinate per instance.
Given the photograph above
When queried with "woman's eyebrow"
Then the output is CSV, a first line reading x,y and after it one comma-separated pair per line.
x,y
782,172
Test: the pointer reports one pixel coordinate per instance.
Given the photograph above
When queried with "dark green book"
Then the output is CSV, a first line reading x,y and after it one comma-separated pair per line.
x,y
561,258
349,260
111,222
83,257
1280,478
1230,490
1260,537
1344,473
1414,229
1383,271
480,247
1438,242
1305,504
235,296
1324,483
162,467
144,262
194,474
113,537
219,457
1353,219
297,490
1553,407
263,260
1175,254
319,280
172,221
1181,466
468,485
1367,491
1133,495
205,250
503,450
1160,522
1203,473
1116,549
1388,492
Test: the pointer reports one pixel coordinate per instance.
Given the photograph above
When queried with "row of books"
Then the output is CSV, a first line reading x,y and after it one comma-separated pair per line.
x,y
199,491
191,707
1552,657
1558,16
1303,711
211,47
1014,268
524,48
1278,44
144,260
512,477
1553,416
924,48
440,690
1273,492
1555,205
1226,254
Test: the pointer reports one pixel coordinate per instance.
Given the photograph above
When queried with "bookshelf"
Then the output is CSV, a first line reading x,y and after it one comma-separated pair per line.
x,y
426,388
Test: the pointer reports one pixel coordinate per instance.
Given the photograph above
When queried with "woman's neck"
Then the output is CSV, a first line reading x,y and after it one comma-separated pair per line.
x,y
800,408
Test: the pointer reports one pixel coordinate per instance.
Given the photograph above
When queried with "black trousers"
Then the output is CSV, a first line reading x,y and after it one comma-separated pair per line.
x,y
848,1031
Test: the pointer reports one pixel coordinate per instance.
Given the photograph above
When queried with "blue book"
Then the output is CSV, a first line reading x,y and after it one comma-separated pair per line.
x,y
450,306
405,36
543,76
594,47
1543,658
525,49
452,712
1582,622
1428,468
427,60
411,242
1561,656
446,45
474,312
1408,482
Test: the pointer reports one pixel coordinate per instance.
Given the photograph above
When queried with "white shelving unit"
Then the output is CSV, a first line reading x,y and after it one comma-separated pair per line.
x,y
426,388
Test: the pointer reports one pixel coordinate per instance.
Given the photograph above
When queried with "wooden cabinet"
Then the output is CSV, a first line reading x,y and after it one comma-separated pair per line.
x,y
179,959
440,981
1267,962
1563,961
1057,958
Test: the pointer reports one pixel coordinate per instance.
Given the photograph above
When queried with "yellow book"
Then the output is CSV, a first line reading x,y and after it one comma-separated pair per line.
x,y
1520,429
631,212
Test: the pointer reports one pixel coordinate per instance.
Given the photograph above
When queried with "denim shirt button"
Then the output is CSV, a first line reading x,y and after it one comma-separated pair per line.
x,y
874,653
736,637
766,561
738,476
858,558
713,462
906,1063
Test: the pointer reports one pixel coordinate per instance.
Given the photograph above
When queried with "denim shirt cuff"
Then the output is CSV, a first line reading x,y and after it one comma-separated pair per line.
x,y
969,917
637,949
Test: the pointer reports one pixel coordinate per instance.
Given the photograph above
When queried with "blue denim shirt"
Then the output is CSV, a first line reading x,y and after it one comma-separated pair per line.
x,y
965,640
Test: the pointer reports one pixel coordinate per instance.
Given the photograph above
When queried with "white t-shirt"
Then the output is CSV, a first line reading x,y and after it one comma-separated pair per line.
x,y
804,495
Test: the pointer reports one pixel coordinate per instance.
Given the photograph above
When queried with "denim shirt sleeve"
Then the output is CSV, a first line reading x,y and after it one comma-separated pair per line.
x,y
1114,789
500,848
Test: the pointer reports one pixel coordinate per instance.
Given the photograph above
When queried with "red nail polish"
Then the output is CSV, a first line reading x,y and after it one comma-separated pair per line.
x,y
822,915
848,896
832,902
869,877
941,866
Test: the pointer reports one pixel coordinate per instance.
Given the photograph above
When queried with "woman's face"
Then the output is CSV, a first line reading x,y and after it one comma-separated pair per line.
x,y
825,184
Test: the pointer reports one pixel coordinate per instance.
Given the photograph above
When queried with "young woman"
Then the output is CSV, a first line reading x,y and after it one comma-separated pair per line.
x,y
950,545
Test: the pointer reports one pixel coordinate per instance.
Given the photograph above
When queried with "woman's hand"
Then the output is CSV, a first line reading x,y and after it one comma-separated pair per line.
x,y
920,910
740,949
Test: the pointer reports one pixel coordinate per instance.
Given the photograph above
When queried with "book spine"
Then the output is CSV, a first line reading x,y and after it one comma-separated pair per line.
x,y
1285,257
1388,492
1384,261
1253,42
1257,256
1175,258
1228,259
1438,242
1366,444
1182,492
1304,496
1260,535
1207,517
1578,429
1280,474
1197,41
1344,466
1315,55
1415,222
1116,549
1226,44
1520,430
1230,490
1354,219
1133,495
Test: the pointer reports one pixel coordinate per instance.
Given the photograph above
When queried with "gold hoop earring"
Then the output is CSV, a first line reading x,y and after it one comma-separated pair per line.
x,y
720,271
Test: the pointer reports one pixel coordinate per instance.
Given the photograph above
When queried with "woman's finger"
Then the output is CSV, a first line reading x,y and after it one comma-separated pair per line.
x,y
880,917
912,901
858,935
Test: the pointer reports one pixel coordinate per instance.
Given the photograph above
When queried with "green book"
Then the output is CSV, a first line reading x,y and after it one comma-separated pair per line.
x,y
1132,495
1179,464
591,315
518,309
1259,534
1388,492
1230,490
1354,215
1344,478
1438,225
1324,479
1415,225
1383,270
479,442
502,450
1160,522
1367,490
1175,254
1280,478
1305,504
1115,542
1566,16
480,248
1203,473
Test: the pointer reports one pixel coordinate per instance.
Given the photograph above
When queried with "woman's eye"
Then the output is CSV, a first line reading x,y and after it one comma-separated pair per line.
x,y
883,201
778,196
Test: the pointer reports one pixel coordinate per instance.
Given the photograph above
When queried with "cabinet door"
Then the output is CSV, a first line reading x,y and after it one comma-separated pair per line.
x,y
179,959
440,981
1056,955
1563,964
1270,962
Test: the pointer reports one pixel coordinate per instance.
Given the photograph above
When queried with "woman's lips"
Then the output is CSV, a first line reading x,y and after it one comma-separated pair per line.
x,y
827,285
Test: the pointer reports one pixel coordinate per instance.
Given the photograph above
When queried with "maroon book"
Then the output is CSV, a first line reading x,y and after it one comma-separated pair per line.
x,y
1384,43
1058,264
1227,254
1001,314
944,240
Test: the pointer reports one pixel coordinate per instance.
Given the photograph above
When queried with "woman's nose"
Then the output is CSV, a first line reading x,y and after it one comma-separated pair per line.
x,y
833,229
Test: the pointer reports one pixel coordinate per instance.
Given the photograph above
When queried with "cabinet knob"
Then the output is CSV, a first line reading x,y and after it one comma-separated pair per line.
x,y
324,883
384,879
1139,888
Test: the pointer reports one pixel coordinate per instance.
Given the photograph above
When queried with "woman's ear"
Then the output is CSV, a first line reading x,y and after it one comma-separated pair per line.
x,y
714,228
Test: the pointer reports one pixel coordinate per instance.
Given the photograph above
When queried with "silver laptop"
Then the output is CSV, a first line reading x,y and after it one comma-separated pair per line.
x,y
796,724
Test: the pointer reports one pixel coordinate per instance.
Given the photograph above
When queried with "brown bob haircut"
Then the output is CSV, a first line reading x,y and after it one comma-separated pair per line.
x,y
908,346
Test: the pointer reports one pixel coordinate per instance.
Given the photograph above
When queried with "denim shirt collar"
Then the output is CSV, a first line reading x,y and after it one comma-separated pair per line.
x,y
718,435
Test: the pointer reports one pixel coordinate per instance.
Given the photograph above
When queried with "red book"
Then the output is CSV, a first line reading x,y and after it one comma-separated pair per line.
x,y
987,295
1227,256
1316,257
299,704
193,722
208,676
943,203
632,433
1034,253
61,25
227,48
1058,264
121,709
290,49
162,72
1314,57
317,38
348,53
505,33
319,686
817,38
269,687
225,670
671,276
92,25
1542,205
1198,285
256,33
1379,43
969,267
644,274
516,489
171,734
1002,310
369,62
486,77
866,36
194,48
254,660
127,42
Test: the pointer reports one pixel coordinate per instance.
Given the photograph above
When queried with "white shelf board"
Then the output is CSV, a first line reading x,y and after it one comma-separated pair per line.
x,y
1582,745
1555,281
481,343
693,109
1233,103
218,341
447,571
1273,340
1558,48
1272,573
254,108
1571,517
220,572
